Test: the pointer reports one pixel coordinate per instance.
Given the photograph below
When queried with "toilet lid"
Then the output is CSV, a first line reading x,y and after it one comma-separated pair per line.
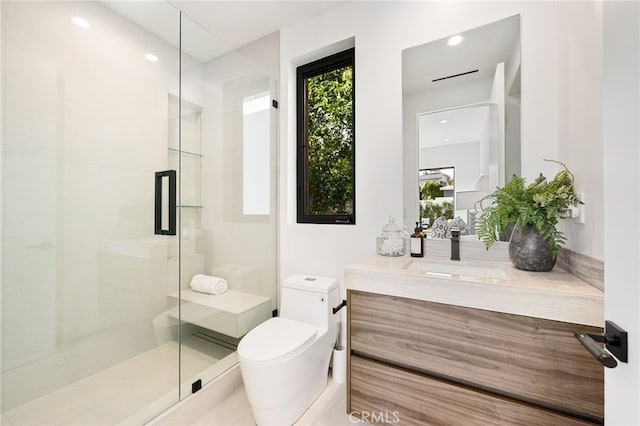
x,y
275,338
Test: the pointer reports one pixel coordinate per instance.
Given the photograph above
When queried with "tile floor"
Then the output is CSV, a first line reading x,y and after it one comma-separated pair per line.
x,y
106,398
234,410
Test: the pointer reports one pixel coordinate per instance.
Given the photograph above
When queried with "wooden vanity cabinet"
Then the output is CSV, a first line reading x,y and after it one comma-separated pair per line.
x,y
431,363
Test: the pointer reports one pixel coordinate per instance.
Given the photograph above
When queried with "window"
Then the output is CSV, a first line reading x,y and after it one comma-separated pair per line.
x,y
326,140
256,155
437,189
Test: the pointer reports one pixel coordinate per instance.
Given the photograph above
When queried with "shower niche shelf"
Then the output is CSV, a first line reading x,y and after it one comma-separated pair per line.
x,y
185,153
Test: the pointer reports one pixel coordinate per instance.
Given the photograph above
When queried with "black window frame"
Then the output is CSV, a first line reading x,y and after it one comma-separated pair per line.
x,y
321,66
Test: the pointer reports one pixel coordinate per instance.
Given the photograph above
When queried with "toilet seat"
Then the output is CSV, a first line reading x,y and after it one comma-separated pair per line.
x,y
275,339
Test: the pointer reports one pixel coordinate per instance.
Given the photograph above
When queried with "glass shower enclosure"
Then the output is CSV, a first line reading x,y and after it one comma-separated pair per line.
x,y
138,151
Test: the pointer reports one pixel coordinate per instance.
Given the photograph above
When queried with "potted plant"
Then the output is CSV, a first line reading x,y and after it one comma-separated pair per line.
x,y
535,210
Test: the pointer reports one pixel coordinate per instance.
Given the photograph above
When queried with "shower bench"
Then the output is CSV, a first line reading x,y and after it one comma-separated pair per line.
x,y
232,313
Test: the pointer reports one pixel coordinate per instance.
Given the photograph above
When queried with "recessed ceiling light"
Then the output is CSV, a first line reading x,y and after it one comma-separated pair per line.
x,y
151,57
443,121
455,40
447,140
83,23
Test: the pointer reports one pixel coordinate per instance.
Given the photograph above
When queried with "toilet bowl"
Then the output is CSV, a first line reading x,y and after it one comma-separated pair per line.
x,y
285,360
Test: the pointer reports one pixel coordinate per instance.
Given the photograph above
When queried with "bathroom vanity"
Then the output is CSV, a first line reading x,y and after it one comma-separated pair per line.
x,y
433,341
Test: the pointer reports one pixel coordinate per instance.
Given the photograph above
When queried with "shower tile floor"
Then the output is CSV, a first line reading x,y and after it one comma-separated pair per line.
x,y
116,394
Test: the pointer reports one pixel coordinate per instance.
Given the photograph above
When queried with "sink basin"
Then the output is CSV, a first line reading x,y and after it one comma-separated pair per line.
x,y
455,269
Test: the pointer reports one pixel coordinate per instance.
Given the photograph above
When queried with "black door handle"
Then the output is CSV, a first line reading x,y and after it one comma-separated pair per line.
x,y
615,340
170,175
594,349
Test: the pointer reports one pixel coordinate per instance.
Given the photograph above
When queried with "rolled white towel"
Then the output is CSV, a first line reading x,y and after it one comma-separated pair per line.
x,y
208,284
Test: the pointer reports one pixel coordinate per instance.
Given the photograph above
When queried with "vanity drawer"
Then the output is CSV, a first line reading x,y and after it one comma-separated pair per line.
x,y
390,395
530,359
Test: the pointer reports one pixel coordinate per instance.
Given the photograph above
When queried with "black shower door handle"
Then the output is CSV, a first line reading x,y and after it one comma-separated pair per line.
x,y
168,176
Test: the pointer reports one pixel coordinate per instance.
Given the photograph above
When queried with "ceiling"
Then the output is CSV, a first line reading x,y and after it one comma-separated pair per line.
x,y
239,22
462,125
213,27
216,27
481,49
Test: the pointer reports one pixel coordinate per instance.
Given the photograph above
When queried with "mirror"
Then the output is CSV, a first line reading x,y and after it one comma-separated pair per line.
x,y
461,110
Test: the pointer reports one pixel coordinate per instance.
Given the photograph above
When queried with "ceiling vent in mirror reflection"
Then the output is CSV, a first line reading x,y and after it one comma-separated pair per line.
x,y
454,75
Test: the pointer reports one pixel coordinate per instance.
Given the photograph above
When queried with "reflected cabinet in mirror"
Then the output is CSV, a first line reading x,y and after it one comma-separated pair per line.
x,y
461,111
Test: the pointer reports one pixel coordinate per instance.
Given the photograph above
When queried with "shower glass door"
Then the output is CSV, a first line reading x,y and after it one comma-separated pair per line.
x,y
86,107
103,103
227,199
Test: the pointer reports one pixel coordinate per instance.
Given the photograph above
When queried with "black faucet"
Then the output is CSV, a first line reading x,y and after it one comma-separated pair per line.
x,y
455,243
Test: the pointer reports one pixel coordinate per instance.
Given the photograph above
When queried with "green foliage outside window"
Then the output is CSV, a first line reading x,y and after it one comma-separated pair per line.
x,y
430,209
330,142
431,190
433,210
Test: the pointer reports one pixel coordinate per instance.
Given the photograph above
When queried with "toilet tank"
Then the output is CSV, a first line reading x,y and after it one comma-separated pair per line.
x,y
310,299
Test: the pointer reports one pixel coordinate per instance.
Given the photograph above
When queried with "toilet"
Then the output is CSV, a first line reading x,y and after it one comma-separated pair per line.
x,y
285,360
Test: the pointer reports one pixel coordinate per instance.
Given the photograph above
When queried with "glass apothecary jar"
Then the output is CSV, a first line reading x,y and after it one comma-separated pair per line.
x,y
391,241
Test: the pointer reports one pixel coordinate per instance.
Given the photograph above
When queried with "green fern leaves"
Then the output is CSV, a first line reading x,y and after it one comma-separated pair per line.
x,y
538,204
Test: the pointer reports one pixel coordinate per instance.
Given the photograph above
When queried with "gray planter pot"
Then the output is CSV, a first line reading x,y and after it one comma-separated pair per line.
x,y
505,235
529,251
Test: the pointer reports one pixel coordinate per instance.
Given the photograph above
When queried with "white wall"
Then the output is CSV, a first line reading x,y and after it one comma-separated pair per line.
x,y
1,186
579,99
512,137
512,114
264,54
622,202
465,157
382,31
496,140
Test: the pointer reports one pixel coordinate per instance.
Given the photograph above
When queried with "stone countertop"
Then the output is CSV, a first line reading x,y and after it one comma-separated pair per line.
x,y
482,284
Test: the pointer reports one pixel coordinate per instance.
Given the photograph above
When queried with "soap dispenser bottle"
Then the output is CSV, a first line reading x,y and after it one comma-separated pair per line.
x,y
417,242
